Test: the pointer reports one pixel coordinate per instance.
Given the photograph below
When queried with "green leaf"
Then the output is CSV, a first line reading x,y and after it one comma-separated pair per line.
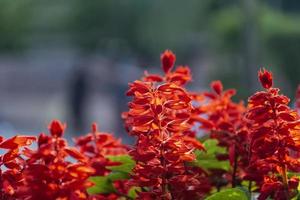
x,y
114,176
229,194
126,166
212,147
102,185
133,192
213,164
208,159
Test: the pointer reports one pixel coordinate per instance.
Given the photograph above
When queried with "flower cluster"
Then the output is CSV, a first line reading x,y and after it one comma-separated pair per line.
x,y
223,118
49,175
257,144
274,135
95,147
55,170
158,117
11,178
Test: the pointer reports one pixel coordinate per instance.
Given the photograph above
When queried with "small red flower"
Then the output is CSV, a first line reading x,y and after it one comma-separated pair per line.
x,y
265,78
167,60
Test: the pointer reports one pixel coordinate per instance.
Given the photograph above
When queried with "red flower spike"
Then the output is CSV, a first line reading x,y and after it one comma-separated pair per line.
x,y
49,174
56,128
265,78
274,140
95,146
223,118
159,117
168,59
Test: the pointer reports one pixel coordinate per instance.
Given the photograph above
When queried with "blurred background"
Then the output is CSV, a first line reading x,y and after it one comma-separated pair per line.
x,y
72,60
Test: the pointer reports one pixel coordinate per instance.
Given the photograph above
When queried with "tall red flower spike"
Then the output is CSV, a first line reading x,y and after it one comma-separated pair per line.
x,y
95,146
49,174
11,176
223,118
274,135
158,116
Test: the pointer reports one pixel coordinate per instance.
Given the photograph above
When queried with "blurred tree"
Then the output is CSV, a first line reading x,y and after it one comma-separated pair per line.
x,y
15,18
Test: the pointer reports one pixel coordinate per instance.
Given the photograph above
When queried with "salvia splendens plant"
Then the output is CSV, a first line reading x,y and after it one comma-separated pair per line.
x,y
189,145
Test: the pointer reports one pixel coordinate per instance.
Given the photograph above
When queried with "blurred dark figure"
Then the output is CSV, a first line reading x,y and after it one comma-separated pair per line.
x,y
78,97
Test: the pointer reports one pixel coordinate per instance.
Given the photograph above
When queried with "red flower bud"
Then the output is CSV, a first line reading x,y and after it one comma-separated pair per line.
x,y
265,78
167,60
217,87
56,128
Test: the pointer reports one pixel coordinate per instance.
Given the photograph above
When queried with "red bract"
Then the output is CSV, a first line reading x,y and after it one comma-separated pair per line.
x,y
158,116
49,174
11,177
274,135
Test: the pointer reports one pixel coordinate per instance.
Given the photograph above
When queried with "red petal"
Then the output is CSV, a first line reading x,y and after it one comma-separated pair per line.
x,y
17,141
74,153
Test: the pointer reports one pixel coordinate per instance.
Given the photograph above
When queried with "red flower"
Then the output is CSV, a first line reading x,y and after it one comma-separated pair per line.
x,y
158,116
95,146
49,174
167,60
223,118
265,78
12,178
274,134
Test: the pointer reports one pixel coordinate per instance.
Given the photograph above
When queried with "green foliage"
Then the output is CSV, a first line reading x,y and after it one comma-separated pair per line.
x,y
127,164
208,159
132,193
229,194
104,184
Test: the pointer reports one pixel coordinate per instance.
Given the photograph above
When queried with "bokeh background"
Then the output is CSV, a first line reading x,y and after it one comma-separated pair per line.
x,y
72,60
